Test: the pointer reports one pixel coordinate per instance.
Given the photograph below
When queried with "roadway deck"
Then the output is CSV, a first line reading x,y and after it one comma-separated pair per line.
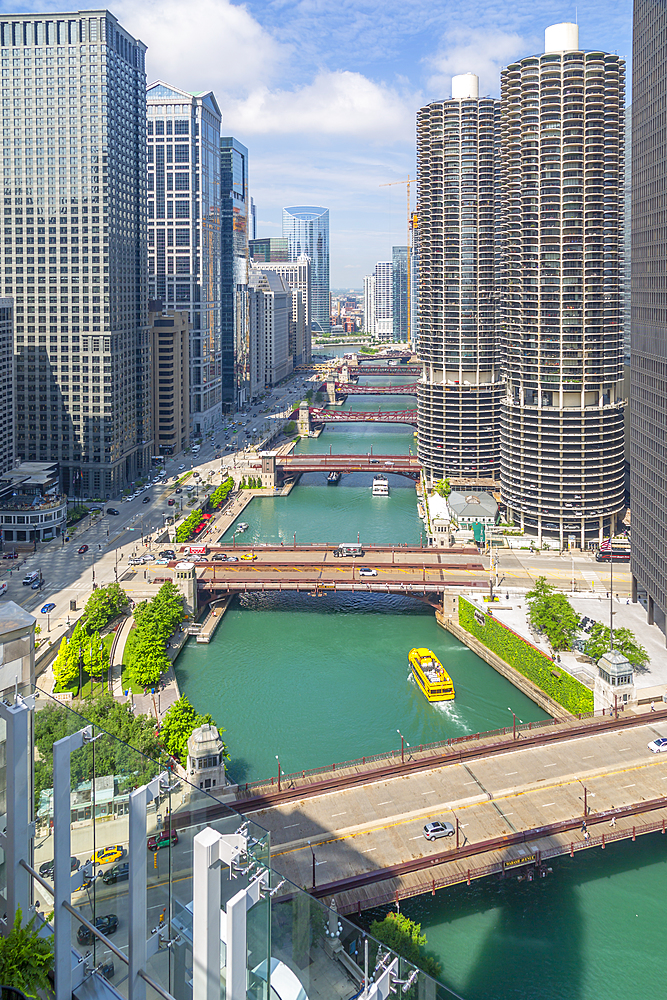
x,y
508,806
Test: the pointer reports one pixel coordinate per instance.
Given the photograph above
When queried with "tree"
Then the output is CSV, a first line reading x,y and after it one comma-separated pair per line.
x,y
103,604
155,622
551,612
625,641
404,936
178,724
26,957
290,428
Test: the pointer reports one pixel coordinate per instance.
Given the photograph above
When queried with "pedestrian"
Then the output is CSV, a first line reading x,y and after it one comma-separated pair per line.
x,y
653,706
612,822
587,835
583,827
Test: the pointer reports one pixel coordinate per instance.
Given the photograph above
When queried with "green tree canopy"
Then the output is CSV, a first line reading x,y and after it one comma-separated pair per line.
x,y
178,724
550,612
625,641
155,621
112,756
404,936
102,606
218,497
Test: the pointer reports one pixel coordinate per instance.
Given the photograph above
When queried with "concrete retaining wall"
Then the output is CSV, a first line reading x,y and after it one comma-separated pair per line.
x,y
520,682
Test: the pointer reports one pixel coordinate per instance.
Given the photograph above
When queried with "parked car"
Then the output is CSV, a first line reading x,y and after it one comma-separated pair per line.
x,y
10,555
48,608
81,549
437,829
119,873
47,867
107,925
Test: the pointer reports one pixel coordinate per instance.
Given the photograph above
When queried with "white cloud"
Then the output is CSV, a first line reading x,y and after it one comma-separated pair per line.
x,y
335,103
483,52
207,45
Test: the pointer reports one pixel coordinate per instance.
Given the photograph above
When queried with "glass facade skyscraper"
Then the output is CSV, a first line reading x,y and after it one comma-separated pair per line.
x,y
399,261
73,102
184,246
234,271
648,360
307,232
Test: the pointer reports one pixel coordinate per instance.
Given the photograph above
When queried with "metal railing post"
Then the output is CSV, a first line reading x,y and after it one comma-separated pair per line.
x,y
20,830
138,897
62,852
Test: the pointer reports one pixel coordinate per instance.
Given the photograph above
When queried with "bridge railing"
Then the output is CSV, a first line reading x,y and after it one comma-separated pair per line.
x,y
409,751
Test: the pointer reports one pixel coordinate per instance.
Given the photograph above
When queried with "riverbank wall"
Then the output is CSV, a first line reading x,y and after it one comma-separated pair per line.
x,y
449,621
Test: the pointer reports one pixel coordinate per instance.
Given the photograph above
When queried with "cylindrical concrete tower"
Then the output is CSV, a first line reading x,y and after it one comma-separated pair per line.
x,y
562,151
461,388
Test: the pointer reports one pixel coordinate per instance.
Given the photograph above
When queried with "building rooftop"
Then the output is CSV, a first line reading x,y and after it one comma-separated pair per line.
x,y
472,504
13,617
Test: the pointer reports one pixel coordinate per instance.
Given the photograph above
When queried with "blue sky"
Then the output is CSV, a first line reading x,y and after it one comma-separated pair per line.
x,y
324,92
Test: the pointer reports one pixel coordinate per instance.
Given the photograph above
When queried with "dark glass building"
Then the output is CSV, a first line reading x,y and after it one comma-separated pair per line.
x,y
648,359
234,272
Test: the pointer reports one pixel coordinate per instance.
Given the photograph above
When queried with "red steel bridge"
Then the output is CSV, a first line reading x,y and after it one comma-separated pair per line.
x,y
401,465
319,416
364,370
350,389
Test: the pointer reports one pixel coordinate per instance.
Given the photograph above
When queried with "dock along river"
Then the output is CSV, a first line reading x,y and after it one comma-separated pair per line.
x,y
321,680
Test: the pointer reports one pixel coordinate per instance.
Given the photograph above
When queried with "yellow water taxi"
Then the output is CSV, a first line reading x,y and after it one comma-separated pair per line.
x,y
430,675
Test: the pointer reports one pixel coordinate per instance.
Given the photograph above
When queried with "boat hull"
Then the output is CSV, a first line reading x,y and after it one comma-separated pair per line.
x,y
441,689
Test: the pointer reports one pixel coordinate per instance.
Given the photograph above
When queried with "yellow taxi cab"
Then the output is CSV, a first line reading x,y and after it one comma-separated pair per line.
x,y
249,556
107,855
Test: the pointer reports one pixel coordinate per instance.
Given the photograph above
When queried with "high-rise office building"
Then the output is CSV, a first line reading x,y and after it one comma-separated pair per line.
x,y
270,248
648,365
307,232
297,275
399,293
562,151
369,304
170,334
270,308
234,271
7,451
461,387
184,246
384,300
75,245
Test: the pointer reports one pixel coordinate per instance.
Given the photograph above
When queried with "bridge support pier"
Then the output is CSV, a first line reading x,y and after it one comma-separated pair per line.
x,y
331,390
304,419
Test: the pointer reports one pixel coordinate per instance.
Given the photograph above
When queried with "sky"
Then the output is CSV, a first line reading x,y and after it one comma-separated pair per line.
x,y
324,93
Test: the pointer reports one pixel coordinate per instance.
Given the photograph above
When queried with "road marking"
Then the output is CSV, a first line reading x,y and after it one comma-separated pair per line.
x,y
386,803
333,815
545,805
588,756
629,786
507,773
431,791
622,749
369,849
473,782
551,765
291,826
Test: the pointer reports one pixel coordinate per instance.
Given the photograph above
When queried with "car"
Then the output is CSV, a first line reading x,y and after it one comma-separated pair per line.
x,y
47,867
178,490
107,855
38,583
367,571
175,479
168,554
220,557
95,510
161,562
181,468
10,555
232,558
162,839
107,925
119,873
659,745
48,608
437,829
147,499
81,549
113,511
170,502
249,557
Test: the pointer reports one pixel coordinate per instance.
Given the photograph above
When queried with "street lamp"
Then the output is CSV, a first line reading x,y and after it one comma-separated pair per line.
x,y
404,743
313,853
278,772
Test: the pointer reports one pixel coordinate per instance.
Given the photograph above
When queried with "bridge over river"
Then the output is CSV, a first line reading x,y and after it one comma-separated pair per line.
x,y
406,570
515,798
402,465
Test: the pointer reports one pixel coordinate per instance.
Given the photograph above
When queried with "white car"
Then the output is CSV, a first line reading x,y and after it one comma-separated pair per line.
x,y
180,468
659,745
367,571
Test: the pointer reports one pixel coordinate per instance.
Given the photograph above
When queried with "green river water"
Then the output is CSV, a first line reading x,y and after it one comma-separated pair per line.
x,y
323,680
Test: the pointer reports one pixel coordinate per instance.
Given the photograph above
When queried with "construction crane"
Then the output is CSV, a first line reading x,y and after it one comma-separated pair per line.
x,y
412,221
